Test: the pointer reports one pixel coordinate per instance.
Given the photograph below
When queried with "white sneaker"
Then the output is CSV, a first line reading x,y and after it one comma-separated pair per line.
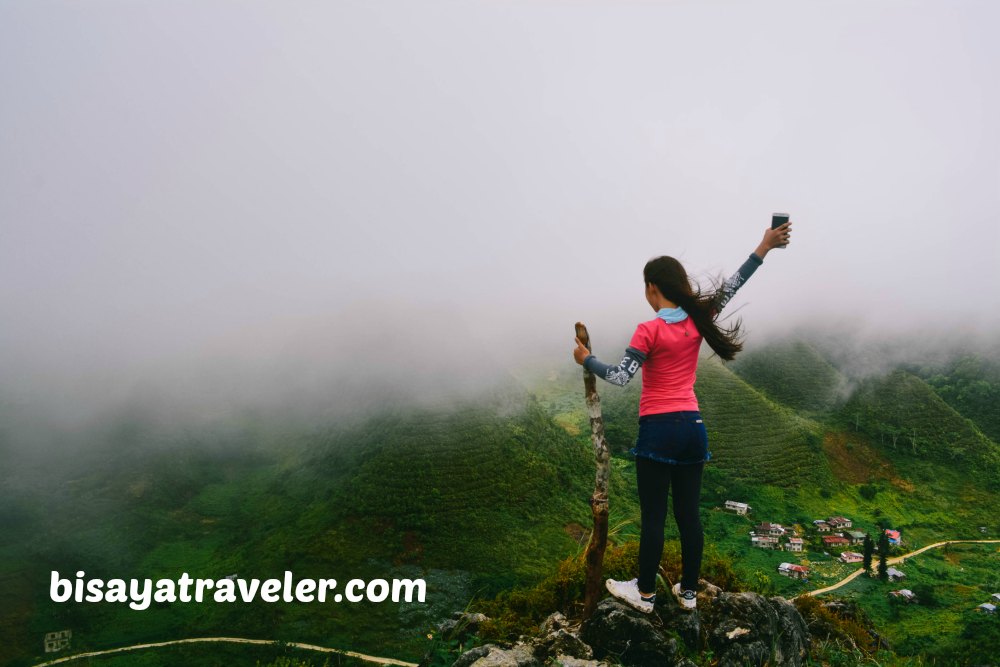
x,y
688,599
628,592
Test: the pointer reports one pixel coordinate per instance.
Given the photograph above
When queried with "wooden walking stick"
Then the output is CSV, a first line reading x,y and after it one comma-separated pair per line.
x,y
599,501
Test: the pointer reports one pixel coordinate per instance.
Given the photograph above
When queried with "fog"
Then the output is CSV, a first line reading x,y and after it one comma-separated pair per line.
x,y
324,207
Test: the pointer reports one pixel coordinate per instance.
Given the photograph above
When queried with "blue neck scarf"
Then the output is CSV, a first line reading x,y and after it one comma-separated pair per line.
x,y
671,315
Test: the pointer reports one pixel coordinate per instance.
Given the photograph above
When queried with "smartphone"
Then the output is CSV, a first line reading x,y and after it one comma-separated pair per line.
x,y
777,220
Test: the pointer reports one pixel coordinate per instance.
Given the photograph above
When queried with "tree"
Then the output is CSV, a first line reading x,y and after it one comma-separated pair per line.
x,y
867,550
594,555
883,556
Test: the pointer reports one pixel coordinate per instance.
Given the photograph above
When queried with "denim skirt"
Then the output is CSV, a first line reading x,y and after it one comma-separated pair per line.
x,y
673,437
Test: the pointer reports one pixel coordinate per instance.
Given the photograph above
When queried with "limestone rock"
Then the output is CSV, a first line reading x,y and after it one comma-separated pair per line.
x,y
748,629
490,655
630,636
567,661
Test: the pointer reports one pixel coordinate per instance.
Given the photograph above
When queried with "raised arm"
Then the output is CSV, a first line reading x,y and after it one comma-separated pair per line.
x,y
735,281
773,238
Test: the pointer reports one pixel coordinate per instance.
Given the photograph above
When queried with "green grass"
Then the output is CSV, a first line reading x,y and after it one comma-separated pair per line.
x,y
792,373
971,385
914,426
754,439
950,583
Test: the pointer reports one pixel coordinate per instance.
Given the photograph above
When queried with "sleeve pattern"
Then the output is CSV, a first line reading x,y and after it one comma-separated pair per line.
x,y
735,281
620,374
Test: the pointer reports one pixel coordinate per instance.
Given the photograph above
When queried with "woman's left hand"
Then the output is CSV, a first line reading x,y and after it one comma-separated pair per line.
x,y
779,237
581,351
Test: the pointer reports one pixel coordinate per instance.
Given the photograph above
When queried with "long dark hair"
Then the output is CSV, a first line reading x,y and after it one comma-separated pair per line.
x,y
672,280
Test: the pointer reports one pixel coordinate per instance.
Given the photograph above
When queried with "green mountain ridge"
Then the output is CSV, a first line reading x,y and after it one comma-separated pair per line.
x,y
478,498
910,421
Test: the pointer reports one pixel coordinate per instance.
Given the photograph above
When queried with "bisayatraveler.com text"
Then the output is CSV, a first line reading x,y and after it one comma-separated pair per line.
x,y
140,593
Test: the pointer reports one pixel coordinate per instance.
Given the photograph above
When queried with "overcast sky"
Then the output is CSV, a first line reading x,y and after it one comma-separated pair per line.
x,y
436,189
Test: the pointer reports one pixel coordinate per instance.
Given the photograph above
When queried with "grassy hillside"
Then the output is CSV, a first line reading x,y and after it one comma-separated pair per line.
x,y
792,373
751,437
971,385
920,431
474,499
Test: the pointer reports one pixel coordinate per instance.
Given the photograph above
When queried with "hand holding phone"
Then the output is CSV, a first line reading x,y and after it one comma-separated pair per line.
x,y
777,220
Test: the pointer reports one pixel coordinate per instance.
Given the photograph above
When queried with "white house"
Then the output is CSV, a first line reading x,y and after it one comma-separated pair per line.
x,y
57,641
895,575
764,541
769,529
904,593
793,571
855,536
739,508
988,608
794,544
851,557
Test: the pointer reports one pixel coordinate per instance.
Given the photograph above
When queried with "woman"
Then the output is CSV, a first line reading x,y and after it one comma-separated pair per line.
x,y
672,446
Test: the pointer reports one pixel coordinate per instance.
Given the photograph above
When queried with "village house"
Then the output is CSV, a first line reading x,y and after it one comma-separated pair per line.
x,y
855,536
904,593
895,575
893,535
988,608
764,541
851,557
822,526
835,541
794,544
793,571
839,522
996,596
739,508
57,641
769,529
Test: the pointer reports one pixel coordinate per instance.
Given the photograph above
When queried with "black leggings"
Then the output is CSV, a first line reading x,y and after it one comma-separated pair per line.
x,y
654,480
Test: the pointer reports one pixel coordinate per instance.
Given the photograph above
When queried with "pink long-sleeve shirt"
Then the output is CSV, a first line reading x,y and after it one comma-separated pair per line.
x,y
668,373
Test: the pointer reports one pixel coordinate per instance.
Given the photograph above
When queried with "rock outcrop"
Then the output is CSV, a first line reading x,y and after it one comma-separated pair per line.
x,y
739,629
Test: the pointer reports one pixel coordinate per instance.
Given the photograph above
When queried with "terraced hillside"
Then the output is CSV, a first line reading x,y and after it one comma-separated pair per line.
x,y
753,438
793,373
912,423
436,479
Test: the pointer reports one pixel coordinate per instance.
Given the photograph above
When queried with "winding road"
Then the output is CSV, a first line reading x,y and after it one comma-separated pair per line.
x,y
893,561
232,640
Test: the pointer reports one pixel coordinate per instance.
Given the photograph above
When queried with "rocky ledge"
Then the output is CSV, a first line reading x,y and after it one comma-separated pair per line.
x,y
739,629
